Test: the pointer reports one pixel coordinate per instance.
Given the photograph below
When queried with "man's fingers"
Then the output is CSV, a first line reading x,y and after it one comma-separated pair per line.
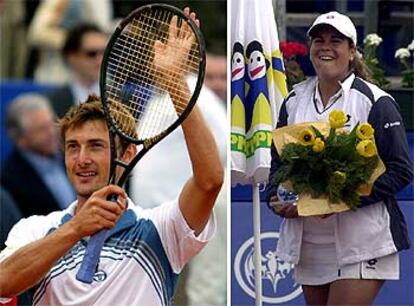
x,y
115,207
158,46
172,31
185,31
110,189
108,215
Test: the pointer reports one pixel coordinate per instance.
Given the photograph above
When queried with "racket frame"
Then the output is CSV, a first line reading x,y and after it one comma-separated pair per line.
x,y
112,126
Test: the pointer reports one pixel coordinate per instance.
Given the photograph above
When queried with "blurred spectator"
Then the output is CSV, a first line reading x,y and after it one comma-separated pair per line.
x,y
82,50
13,40
48,31
216,75
34,173
148,193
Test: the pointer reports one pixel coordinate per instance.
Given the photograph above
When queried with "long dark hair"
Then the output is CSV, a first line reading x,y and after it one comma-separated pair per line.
x,y
359,67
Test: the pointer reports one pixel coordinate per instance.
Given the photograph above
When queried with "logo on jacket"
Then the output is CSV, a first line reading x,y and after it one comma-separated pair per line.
x,y
278,285
391,124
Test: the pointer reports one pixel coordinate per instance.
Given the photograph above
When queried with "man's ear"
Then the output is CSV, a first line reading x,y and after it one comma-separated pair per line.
x,y
130,153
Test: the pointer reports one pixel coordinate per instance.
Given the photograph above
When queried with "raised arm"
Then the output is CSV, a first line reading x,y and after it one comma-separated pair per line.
x,y
200,192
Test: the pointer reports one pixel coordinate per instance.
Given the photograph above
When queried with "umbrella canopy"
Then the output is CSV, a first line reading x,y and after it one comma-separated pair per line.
x,y
258,87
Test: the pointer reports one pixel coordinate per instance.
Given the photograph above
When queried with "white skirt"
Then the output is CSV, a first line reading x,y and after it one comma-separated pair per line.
x,y
318,266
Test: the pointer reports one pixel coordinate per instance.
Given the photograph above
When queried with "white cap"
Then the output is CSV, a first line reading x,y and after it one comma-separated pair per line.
x,y
342,23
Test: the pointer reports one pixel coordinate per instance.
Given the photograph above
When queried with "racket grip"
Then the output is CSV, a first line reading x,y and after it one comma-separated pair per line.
x,y
91,257
93,252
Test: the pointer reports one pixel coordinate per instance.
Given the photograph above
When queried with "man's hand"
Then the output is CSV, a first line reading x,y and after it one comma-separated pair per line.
x,y
171,58
98,212
171,61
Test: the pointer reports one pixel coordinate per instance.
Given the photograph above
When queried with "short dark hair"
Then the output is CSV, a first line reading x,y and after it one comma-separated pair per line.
x,y
75,35
92,109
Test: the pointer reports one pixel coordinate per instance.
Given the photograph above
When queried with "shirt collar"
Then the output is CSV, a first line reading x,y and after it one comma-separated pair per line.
x,y
81,92
345,86
346,83
41,161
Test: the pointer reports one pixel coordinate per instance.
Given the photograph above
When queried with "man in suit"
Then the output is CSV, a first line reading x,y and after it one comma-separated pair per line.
x,y
34,172
82,51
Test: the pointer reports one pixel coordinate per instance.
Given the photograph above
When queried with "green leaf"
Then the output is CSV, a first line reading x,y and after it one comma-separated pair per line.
x,y
318,133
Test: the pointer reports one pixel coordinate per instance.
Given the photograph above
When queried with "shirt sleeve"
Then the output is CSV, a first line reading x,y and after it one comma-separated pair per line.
x,y
24,232
179,240
391,141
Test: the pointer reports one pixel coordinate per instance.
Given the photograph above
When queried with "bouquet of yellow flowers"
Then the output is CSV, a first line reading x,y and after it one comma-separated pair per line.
x,y
329,168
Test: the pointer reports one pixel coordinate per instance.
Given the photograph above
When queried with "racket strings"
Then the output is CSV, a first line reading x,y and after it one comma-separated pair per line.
x,y
190,67
120,76
142,50
139,66
133,80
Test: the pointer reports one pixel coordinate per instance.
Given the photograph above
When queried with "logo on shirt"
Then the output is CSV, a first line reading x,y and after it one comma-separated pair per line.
x,y
99,276
371,263
278,285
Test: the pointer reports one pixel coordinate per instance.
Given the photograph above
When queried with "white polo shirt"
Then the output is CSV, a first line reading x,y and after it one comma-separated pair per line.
x,y
304,103
139,263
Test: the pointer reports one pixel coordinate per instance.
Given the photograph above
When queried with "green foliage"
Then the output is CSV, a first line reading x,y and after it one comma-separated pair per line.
x,y
372,63
337,171
407,75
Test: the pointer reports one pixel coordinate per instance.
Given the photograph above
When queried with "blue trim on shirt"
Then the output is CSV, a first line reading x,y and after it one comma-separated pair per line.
x,y
130,238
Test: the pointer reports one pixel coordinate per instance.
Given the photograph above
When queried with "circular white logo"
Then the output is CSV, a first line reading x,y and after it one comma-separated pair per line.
x,y
99,276
278,285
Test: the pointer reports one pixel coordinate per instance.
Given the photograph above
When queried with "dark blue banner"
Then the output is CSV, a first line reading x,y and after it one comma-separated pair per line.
x,y
279,287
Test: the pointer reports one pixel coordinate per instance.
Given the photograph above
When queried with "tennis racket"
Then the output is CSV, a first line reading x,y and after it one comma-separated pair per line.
x,y
151,75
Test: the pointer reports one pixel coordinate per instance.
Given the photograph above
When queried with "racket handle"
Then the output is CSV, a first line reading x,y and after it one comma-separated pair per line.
x,y
91,257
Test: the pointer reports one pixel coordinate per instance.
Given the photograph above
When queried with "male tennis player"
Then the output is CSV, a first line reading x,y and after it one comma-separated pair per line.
x,y
146,249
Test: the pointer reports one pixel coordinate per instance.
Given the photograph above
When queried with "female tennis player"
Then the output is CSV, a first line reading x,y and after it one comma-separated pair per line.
x,y
344,258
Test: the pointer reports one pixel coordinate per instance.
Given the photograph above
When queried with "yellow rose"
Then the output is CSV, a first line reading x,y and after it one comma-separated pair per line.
x,y
306,137
318,145
366,148
340,176
337,119
364,131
